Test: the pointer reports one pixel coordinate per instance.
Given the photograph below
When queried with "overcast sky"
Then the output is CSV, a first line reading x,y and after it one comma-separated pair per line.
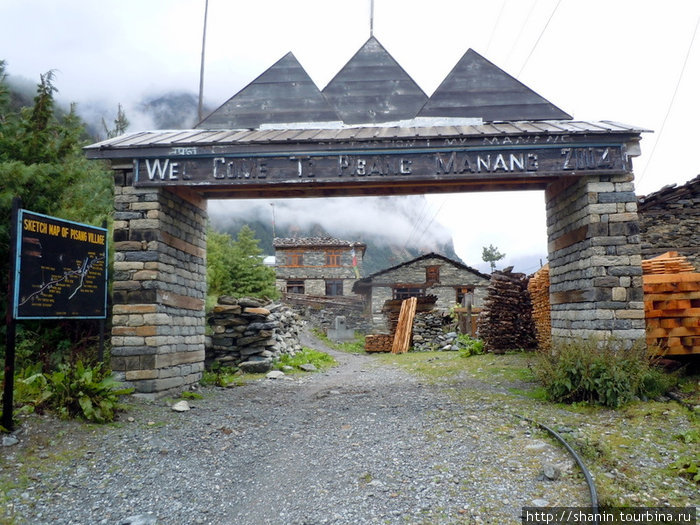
x,y
620,60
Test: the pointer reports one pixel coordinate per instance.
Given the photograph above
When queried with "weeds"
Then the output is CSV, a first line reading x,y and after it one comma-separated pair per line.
x,y
307,356
71,391
602,373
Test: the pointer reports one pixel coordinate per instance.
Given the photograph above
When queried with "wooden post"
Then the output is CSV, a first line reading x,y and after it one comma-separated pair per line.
x,y
8,394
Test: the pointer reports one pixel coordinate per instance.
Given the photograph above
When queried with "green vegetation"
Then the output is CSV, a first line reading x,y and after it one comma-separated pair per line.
x,y
469,346
71,391
307,356
490,255
599,372
236,267
41,162
223,376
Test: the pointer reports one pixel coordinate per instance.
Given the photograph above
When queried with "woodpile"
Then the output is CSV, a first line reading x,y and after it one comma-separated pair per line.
x,y
404,328
378,343
392,308
538,287
506,323
672,304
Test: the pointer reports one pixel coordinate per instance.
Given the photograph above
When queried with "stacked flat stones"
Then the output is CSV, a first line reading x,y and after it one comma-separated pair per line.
x,y
427,332
251,334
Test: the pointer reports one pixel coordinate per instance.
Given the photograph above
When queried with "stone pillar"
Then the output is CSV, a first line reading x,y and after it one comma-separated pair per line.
x,y
595,259
159,287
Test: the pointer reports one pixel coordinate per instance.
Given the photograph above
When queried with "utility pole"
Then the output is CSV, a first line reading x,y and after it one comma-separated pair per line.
x,y
201,68
371,18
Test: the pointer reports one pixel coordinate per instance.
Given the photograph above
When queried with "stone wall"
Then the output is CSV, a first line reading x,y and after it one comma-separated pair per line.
x,y
159,287
251,334
595,258
321,311
670,221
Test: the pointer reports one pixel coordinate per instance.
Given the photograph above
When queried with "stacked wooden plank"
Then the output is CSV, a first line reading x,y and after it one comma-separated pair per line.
x,y
506,322
672,304
404,329
392,308
538,286
378,343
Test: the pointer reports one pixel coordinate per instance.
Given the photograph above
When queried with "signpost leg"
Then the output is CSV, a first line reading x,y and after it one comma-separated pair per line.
x,y
8,394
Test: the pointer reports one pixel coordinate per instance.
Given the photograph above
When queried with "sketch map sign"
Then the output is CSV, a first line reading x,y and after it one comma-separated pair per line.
x,y
61,269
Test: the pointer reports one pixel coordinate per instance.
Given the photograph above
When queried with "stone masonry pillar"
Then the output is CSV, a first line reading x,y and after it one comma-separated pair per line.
x,y
595,259
159,286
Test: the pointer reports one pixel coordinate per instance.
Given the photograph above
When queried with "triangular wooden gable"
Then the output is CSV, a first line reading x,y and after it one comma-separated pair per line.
x,y
476,88
372,88
283,94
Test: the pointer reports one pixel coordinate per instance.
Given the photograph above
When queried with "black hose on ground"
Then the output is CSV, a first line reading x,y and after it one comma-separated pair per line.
x,y
577,458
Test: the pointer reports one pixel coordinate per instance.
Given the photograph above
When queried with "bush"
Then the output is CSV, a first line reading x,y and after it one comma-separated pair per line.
x,y
71,391
599,372
469,346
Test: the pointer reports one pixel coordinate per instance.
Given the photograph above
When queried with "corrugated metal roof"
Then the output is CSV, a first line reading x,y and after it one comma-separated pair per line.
x,y
184,138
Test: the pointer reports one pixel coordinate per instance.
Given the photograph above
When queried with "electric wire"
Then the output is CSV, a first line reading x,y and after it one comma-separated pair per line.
x,y
522,30
539,38
673,99
495,26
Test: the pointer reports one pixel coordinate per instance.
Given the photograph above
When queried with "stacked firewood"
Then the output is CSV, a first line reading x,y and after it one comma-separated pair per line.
x,y
538,287
672,304
378,343
506,322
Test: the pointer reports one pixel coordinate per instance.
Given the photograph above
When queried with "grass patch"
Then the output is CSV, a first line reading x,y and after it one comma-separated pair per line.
x,y
307,356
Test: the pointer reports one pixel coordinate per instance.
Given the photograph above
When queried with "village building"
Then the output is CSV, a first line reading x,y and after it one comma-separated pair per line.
x,y
318,266
431,274
669,220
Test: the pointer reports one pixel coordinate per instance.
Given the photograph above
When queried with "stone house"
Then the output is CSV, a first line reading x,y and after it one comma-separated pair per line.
x,y
318,266
669,220
430,274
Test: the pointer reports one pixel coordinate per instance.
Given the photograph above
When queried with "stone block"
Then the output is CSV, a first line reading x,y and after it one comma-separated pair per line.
x,y
138,375
619,293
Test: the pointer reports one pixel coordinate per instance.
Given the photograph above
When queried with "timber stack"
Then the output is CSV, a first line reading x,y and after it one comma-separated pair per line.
x,y
672,304
378,343
506,322
538,287
404,328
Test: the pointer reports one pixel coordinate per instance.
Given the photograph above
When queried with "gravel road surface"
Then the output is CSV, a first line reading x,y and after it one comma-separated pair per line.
x,y
361,443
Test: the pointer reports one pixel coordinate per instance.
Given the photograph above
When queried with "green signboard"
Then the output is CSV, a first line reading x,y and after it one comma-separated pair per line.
x,y
61,269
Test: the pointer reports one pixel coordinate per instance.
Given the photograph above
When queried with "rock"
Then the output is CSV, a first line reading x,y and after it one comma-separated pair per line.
x,y
180,406
308,367
539,502
263,312
141,519
227,299
256,366
8,441
551,472
275,374
250,302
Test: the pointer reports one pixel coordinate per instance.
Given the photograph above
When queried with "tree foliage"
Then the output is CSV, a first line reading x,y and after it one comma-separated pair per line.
x,y
236,267
41,162
490,255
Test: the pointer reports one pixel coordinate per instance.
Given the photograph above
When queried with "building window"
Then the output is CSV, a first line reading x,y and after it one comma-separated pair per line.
x,y
432,275
295,287
334,287
462,291
295,259
333,258
404,292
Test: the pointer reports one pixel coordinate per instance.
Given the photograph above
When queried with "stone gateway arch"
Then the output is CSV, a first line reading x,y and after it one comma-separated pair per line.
x,y
371,131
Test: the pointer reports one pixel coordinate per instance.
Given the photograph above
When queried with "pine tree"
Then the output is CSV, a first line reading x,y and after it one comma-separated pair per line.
x,y
491,255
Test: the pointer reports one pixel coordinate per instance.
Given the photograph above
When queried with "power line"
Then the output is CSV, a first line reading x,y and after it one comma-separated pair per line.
x,y
673,99
522,30
539,38
495,26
